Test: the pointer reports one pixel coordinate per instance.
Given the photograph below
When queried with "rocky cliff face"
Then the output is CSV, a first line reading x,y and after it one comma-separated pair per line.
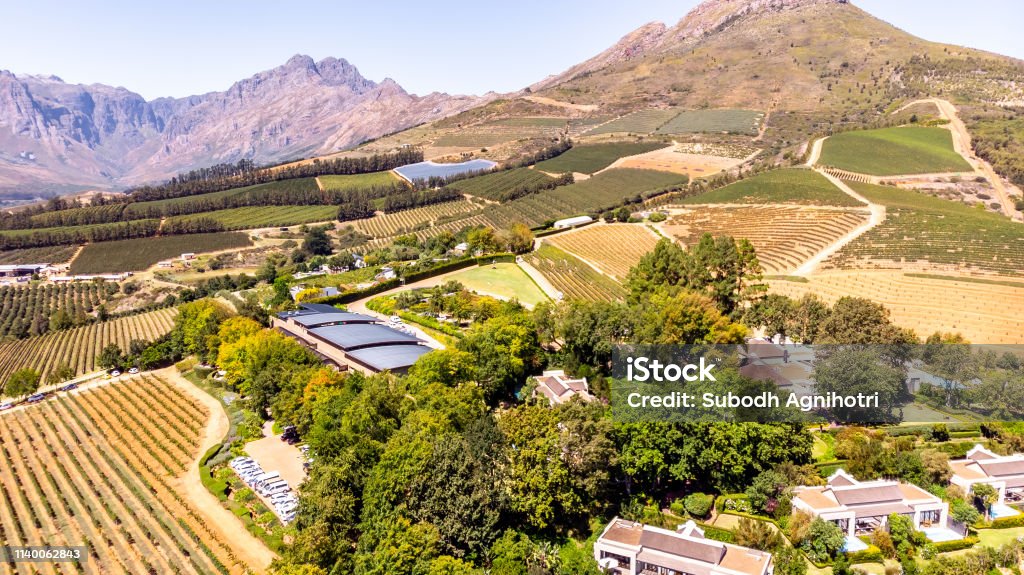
x,y
56,136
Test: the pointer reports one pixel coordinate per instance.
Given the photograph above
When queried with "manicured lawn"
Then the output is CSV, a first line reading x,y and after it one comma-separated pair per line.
x,y
823,448
996,538
788,186
893,151
502,279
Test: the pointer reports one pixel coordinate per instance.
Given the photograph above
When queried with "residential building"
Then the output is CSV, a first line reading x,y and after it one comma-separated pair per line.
x,y
558,388
860,507
630,548
1003,472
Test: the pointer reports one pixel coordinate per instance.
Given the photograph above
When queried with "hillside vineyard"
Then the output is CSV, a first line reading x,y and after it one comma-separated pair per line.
x,y
741,294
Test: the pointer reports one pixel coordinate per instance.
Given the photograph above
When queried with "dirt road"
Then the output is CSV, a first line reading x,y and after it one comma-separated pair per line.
x,y
249,549
877,217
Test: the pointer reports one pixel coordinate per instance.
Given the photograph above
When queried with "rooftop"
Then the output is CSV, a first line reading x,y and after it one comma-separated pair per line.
x,y
389,357
353,336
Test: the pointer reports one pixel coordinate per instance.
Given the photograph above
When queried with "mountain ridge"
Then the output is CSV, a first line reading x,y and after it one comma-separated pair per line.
x,y
65,136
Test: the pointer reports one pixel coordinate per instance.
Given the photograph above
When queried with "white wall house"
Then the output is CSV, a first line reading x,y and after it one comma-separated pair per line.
x,y
630,548
1003,472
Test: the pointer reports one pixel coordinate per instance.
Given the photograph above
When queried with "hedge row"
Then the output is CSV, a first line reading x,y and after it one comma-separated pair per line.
x,y
956,545
1007,522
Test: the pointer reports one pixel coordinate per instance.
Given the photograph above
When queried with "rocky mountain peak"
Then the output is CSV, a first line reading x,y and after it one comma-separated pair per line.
x,y
714,15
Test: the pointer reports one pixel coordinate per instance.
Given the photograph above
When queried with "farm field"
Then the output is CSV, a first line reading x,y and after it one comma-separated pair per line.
x,y
26,310
504,280
358,181
696,121
786,186
47,255
262,216
783,236
139,254
498,185
981,312
613,248
590,158
672,159
490,135
572,277
97,467
639,122
259,193
406,221
79,347
924,232
893,151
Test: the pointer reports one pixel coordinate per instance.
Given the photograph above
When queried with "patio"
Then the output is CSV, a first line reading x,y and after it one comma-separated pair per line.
x,y
854,544
940,534
999,511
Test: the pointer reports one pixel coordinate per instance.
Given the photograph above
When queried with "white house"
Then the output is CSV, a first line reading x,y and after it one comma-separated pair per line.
x,y
860,507
460,249
188,256
630,548
558,388
572,222
1003,472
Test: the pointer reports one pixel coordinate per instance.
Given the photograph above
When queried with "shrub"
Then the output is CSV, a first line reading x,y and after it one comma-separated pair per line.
x,y
1008,522
956,545
677,507
881,539
870,555
657,217
698,504
824,540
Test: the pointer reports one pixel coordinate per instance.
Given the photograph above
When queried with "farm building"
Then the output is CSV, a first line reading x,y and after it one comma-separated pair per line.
x,y
572,222
351,340
630,548
188,256
1003,472
558,388
13,271
860,507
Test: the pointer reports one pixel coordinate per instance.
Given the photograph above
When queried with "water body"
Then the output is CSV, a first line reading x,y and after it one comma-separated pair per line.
x,y
426,170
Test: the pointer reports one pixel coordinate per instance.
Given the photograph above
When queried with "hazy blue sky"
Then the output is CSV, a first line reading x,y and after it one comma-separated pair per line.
x,y
190,46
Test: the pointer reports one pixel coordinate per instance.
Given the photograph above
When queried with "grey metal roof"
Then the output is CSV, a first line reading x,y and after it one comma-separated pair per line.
x,y
356,335
337,316
319,307
706,551
393,357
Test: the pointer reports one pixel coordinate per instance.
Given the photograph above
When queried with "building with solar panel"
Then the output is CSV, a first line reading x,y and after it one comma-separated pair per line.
x,y
351,340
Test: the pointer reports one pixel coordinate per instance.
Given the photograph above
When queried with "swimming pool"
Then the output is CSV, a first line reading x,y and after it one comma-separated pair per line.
x,y
428,169
999,510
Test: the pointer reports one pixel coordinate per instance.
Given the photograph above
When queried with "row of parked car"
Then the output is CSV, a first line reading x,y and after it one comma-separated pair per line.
x,y
269,484
37,397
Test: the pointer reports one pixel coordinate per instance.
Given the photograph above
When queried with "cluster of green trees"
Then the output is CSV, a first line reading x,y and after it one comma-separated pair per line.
x,y
850,320
246,173
65,236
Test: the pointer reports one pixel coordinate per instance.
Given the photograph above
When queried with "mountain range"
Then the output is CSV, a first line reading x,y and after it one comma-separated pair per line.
x,y
59,137
806,63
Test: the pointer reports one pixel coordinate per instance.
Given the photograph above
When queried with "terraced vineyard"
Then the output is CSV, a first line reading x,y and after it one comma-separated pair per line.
x,y
639,122
26,310
359,181
407,221
783,236
788,186
925,232
139,254
262,216
590,158
894,151
574,278
97,468
47,255
981,312
80,346
497,185
695,121
614,248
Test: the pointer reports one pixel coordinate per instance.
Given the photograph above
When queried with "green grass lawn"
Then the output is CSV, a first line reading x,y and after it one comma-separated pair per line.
x,y
590,158
502,279
823,448
787,186
996,538
893,151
